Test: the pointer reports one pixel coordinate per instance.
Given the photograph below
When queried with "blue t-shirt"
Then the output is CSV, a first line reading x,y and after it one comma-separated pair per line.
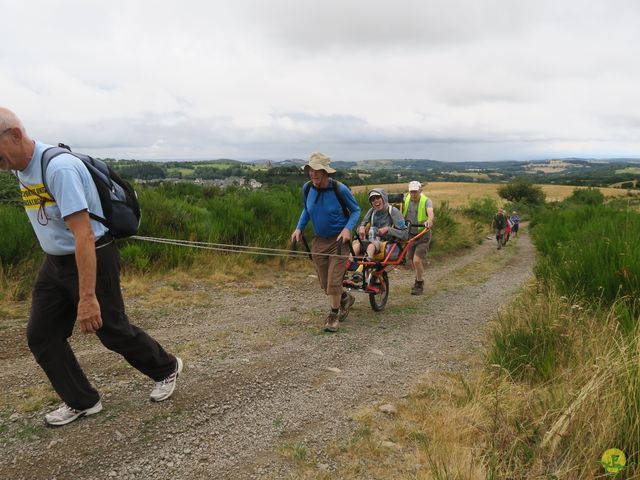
x,y
324,210
73,189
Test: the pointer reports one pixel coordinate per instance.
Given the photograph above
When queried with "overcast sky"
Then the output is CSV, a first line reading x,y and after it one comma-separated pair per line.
x,y
447,80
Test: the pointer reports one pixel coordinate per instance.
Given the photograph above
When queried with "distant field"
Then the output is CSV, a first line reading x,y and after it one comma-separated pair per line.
x,y
216,165
182,171
634,170
478,175
459,193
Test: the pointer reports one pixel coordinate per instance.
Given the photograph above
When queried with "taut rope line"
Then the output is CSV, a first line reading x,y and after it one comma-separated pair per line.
x,y
223,247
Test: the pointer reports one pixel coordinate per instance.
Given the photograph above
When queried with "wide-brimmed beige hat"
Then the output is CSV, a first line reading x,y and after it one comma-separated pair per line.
x,y
319,161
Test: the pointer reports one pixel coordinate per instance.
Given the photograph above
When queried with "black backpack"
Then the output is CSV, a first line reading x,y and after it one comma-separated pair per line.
x,y
119,200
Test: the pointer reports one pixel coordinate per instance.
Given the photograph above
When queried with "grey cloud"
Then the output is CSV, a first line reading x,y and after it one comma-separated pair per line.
x,y
416,78
176,135
362,23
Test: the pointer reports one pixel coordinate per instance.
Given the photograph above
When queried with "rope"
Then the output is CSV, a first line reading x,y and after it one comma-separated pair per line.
x,y
223,247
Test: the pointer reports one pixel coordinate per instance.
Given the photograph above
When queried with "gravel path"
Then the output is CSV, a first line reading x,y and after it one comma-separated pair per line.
x,y
258,374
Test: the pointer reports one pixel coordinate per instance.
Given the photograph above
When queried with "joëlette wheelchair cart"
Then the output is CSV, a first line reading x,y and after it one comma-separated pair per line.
x,y
374,279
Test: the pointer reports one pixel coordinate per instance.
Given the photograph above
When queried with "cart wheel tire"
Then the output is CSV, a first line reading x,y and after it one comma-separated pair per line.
x,y
379,300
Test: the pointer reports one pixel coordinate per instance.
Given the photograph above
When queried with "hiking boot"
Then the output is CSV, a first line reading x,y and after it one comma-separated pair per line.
x,y
65,414
164,388
345,304
418,288
331,325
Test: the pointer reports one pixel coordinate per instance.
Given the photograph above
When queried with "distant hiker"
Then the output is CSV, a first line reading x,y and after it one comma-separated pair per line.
x,y
79,279
387,223
515,223
507,230
333,210
418,212
499,224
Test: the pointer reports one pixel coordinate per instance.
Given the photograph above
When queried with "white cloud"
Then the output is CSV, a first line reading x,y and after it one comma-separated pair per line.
x,y
448,80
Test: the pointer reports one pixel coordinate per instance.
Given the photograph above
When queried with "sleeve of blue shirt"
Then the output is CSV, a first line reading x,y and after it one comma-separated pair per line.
x,y
303,220
69,182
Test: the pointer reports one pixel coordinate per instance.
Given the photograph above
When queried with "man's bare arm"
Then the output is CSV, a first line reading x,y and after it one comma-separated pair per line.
x,y
88,306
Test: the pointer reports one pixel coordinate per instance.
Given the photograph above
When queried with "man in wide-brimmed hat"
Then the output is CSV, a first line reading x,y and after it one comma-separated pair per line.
x,y
334,212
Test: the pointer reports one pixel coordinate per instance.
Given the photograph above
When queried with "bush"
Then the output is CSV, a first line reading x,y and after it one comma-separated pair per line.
x,y
586,196
481,210
522,191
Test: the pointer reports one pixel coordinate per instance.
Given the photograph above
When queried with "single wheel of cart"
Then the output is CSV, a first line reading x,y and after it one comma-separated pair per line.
x,y
378,288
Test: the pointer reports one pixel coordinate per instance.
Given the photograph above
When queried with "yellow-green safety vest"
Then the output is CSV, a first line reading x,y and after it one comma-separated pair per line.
x,y
422,210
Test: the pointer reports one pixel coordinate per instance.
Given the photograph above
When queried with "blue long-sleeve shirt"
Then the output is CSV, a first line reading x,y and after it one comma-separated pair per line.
x,y
323,208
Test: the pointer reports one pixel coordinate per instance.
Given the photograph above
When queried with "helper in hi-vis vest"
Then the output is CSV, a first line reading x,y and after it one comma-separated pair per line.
x,y
418,212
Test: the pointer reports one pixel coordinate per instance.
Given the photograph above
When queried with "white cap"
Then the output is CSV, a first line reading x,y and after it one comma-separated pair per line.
x,y
413,186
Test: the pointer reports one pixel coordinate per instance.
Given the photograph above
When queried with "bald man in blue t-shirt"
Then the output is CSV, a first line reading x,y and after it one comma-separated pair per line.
x,y
79,279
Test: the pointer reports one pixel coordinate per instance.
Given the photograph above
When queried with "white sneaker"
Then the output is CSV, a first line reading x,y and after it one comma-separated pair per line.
x,y
65,414
164,388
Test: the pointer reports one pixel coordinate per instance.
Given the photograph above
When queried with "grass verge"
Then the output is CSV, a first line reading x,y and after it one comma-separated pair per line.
x,y
558,387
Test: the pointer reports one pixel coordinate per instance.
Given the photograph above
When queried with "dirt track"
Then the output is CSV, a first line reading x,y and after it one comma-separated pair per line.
x,y
258,374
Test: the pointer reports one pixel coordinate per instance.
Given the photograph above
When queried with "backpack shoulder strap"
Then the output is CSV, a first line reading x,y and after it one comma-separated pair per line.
x,y
305,193
341,200
48,155
51,153
305,190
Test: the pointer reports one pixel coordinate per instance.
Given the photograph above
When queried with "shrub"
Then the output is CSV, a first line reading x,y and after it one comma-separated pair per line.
x,y
481,209
586,196
522,191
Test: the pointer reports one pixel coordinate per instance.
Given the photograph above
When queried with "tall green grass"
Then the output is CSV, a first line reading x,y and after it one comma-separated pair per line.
x,y
531,341
232,216
20,253
17,240
571,388
591,251
569,347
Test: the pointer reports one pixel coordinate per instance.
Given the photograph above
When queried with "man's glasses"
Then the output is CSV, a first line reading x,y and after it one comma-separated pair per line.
x,y
6,130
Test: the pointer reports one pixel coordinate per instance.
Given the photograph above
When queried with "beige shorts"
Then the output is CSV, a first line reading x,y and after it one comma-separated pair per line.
x,y
419,248
330,269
